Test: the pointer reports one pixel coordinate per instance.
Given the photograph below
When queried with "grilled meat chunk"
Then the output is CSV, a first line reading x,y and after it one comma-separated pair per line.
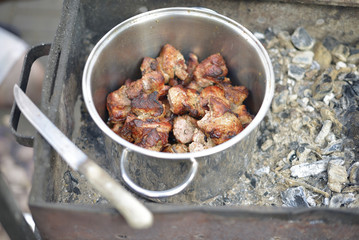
x,y
126,130
176,148
192,103
235,94
213,92
183,128
176,96
220,128
147,106
243,115
149,83
154,82
191,66
200,141
194,85
118,105
134,88
149,65
151,134
172,63
183,100
210,71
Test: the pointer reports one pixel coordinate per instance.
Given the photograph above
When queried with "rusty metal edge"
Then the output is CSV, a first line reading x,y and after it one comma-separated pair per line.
x,y
344,215
341,3
64,221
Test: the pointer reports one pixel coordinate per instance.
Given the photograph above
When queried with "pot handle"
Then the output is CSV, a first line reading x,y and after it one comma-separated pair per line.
x,y
32,55
156,194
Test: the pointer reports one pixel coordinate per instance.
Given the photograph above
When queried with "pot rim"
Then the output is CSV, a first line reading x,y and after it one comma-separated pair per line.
x,y
205,13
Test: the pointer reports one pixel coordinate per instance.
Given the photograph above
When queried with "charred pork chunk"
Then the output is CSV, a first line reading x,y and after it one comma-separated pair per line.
x,y
194,85
235,94
184,100
147,106
151,134
210,71
149,83
213,92
149,65
184,128
172,63
220,128
176,96
154,82
176,148
243,115
118,105
200,142
191,66
134,88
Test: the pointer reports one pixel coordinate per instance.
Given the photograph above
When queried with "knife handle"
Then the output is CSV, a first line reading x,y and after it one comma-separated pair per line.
x,y
135,213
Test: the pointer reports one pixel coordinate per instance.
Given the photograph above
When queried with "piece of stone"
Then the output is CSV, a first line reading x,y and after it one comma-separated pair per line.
x,y
304,58
354,173
309,169
280,102
330,42
328,98
285,40
266,145
322,55
340,53
294,197
336,146
296,72
353,77
262,171
340,65
320,139
322,86
337,177
353,59
297,124
302,40
341,200
328,114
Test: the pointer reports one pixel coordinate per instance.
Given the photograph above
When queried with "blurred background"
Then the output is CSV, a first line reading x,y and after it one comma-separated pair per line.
x,y
35,22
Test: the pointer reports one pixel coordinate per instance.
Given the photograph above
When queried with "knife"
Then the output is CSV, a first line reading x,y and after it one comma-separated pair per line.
x,y
134,212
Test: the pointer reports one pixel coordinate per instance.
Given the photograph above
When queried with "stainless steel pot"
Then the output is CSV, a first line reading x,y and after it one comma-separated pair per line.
x,y
117,56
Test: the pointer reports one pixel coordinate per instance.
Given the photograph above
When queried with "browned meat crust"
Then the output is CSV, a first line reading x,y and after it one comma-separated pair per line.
x,y
172,63
210,71
118,105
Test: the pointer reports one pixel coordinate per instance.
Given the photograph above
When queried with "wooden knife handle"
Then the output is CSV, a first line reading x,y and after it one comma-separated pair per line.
x,y
135,213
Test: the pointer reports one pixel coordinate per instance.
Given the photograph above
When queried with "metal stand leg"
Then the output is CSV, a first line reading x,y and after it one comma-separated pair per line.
x,y
11,216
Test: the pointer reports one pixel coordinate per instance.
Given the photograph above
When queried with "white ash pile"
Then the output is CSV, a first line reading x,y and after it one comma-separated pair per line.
x,y
308,148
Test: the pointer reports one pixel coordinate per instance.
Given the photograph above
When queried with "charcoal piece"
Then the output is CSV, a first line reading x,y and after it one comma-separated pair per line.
x,y
322,86
68,181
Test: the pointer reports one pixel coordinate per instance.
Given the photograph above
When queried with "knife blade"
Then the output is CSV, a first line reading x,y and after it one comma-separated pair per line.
x,y
135,213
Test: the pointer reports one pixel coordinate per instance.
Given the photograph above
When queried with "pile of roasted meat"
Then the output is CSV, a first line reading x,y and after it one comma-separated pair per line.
x,y
177,107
